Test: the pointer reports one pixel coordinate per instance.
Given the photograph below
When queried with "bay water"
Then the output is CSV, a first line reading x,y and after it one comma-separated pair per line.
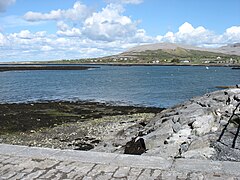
x,y
153,86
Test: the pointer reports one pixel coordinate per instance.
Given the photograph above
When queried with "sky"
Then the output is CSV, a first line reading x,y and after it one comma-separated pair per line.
x,y
33,30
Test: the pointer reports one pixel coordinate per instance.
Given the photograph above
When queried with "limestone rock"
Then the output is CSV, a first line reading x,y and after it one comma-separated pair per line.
x,y
195,127
180,137
203,153
176,127
183,147
175,119
203,124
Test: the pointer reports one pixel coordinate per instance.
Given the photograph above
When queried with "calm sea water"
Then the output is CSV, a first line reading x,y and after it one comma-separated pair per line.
x,y
159,86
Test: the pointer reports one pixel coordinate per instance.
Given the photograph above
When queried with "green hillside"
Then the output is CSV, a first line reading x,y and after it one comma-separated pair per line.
x,y
178,55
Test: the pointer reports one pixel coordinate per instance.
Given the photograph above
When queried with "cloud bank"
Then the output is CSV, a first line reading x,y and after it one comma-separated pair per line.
x,y
109,24
201,36
78,12
82,32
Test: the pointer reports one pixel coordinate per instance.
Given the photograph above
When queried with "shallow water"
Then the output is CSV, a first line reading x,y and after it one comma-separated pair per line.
x,y
159,86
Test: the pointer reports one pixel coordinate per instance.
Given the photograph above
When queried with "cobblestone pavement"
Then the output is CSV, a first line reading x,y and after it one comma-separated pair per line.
x,y
20,162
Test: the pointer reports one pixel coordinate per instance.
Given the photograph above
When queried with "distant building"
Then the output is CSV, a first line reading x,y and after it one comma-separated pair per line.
x,y
185,61
155,62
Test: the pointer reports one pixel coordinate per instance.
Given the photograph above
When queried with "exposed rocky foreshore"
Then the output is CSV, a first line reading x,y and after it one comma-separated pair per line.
x,y
191,130
67,125
188,130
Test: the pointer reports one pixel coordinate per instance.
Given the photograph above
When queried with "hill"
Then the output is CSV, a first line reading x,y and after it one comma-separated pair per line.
x,y
232,49
169,54
177,53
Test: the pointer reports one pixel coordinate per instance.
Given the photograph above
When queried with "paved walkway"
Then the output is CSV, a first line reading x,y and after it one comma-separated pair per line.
x,y
21,162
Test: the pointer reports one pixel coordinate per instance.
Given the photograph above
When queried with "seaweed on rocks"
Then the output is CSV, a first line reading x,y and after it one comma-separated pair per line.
x,y
26,117
68,125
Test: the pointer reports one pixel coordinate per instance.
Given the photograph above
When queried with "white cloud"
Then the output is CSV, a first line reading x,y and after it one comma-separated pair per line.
x,y
201,36
62,26
141,37
26,39
5,3
186,28
232,34
187,34
65,30
46,48
74,32
235,30
78,12
81,33
41,34
169,37
26,45
109,24
2,39
25,34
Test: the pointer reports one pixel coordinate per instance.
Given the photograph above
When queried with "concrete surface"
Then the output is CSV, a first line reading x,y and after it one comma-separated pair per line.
x,y
21,162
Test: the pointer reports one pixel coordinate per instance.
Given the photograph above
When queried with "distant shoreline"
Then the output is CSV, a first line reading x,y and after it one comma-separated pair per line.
x,y
39,67
65,66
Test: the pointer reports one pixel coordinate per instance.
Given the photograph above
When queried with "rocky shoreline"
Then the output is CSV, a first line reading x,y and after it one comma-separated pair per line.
x,y
66,125
190,130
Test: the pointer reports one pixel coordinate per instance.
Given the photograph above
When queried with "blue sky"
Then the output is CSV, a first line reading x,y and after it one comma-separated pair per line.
x,y
70,29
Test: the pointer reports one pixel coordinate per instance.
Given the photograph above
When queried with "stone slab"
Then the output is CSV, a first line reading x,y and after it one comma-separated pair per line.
x,y
118,161
38,152
152,162
231,168
207,166
85,156
11,149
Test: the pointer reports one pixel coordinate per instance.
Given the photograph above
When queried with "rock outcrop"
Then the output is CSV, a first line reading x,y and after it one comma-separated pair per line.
x,y
189,130
194,128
